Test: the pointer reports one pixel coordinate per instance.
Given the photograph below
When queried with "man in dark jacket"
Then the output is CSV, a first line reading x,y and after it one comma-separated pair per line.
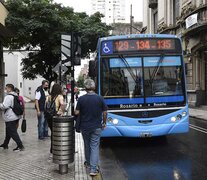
x,y
93,113
40,98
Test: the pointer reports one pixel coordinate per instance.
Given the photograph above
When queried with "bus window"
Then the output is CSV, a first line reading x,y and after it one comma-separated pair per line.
x,y
166,82
119,81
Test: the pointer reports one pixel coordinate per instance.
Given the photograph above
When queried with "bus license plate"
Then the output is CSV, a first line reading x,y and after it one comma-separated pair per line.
x,y
145,134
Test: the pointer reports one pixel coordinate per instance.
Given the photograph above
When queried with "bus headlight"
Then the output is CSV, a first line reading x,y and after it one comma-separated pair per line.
x,y
115,121
173,119
184,113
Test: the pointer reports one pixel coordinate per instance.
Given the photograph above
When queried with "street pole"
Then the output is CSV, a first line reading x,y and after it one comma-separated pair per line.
x,y
72,74
131,19
60,72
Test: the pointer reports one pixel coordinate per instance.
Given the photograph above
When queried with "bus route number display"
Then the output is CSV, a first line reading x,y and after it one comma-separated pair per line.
x,y
143,44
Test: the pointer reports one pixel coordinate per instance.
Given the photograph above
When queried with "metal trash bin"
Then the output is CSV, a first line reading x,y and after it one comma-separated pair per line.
x,y
63,140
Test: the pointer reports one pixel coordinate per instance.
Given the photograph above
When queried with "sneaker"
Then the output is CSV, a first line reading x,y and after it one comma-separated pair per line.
x,y
19,148
94,173
86,164
4,146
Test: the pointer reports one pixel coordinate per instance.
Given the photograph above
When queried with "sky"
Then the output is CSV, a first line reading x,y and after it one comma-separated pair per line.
x,y
85,6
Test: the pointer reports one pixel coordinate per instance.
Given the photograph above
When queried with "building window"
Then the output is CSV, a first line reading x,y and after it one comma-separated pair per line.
x,y
30,88
20,85
176,10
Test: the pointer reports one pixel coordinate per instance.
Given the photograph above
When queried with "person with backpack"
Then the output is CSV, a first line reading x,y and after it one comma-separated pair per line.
x,y
54,106
40,98
12,113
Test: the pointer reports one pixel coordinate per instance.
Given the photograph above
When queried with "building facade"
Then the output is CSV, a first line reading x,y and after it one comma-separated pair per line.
x,y
124,28
12,67
4,33
113,10
188,20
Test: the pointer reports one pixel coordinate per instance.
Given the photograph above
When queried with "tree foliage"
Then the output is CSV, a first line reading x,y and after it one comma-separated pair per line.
x,y
37,26
80,81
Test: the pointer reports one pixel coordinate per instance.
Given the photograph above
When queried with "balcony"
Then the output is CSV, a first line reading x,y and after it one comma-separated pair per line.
x,y
152,4
201,23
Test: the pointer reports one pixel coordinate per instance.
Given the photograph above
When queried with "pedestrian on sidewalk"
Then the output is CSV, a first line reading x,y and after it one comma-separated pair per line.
x,y
11,119
40,98
21,99
92,112
58,99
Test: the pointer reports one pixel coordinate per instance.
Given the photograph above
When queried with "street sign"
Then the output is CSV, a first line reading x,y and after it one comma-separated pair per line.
x,y
65,46
60,68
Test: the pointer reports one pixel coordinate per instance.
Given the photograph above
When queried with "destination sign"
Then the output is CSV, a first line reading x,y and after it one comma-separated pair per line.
x,y
143,45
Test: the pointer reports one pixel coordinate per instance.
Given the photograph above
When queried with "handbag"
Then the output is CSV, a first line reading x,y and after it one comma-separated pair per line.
x,y
24,126
77,124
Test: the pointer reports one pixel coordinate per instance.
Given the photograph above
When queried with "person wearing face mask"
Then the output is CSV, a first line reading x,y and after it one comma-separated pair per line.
x,y
40,98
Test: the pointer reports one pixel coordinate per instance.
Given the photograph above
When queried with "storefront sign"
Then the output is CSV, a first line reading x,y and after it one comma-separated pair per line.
x,y
191,20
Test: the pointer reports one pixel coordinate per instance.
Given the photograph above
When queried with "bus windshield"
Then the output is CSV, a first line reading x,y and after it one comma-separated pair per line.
x,y
144,77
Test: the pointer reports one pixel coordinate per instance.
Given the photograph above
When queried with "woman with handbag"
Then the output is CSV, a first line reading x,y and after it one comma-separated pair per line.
x,y
54,101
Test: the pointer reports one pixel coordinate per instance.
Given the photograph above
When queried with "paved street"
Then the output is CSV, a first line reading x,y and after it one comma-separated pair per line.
x,y
179,157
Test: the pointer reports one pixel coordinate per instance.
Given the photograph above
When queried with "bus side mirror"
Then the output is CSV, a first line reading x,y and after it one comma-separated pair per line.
x,y
92,69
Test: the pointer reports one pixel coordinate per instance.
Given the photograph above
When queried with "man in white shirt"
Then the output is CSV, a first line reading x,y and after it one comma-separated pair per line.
x,y
40,98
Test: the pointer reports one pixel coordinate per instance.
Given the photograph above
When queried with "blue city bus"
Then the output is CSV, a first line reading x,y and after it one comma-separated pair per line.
x,y
142,80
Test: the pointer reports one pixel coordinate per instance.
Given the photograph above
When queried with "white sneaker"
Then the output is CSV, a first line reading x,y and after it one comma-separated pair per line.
x,y
93,173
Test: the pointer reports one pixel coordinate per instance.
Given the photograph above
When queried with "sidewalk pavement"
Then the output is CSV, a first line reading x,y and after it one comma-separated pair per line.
x,y
34,163
198,112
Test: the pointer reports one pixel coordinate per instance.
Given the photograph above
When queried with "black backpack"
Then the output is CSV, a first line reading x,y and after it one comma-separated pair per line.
x,y
50,109
17,108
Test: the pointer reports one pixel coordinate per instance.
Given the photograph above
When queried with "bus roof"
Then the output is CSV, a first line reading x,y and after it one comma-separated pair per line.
x,y
138,36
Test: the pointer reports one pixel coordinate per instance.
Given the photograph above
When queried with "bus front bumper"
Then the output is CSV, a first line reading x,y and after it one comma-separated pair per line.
x,y
145,131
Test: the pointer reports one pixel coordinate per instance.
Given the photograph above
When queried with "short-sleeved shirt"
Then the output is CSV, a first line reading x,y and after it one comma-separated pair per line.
x,y
38,94
91,107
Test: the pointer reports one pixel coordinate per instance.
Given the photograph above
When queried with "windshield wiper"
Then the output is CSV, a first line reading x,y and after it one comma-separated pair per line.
x,y
154,73
128,67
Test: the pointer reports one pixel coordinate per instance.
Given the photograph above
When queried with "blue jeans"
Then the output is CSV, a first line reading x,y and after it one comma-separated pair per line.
x,y
91,146
42,126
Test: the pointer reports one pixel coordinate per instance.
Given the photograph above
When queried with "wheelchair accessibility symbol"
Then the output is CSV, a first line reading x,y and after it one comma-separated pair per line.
x,y
106,49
